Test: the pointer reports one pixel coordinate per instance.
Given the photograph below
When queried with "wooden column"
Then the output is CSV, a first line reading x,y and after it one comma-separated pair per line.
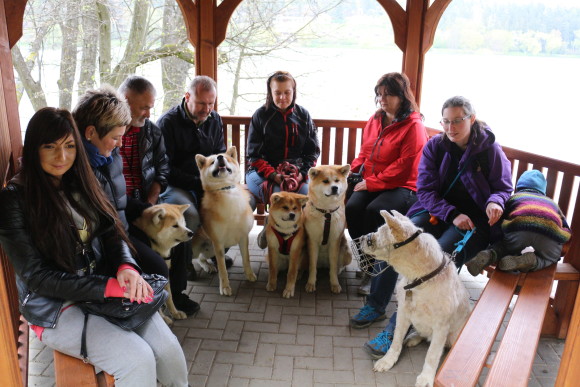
x,y
9,152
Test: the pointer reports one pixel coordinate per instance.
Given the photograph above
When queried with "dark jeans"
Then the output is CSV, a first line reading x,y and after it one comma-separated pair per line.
x,y
149,261
363,208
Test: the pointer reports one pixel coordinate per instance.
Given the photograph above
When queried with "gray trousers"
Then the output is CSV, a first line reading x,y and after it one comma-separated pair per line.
x,y
138,358
546,249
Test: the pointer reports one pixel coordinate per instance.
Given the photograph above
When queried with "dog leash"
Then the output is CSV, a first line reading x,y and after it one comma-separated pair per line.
x,y
461,244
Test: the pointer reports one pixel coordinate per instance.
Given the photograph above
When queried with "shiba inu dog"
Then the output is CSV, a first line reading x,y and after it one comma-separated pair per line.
x,y
226,215
164,225
286,238
430,295
325,223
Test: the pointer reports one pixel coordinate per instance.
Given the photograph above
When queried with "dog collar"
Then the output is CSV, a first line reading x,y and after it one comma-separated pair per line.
x,y
408,240
427,277
225,188
327,216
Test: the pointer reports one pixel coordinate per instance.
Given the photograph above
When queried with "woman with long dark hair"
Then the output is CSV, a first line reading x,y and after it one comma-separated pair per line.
x,y
67,245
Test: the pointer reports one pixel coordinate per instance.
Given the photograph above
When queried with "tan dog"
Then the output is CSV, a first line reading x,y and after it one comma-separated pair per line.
x,y
164,225
286,239
227,217
437,306
325,223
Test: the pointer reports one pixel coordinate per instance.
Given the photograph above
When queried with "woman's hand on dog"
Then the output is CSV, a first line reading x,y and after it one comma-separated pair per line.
x,y
136,288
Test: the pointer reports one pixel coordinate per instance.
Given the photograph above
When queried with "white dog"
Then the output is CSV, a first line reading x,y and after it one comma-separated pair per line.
x,y
430,294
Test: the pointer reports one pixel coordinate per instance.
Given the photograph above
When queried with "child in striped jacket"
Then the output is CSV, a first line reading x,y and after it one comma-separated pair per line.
x,y
534,229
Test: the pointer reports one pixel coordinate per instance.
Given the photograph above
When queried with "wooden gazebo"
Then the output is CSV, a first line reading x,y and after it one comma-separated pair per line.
x,y
414,30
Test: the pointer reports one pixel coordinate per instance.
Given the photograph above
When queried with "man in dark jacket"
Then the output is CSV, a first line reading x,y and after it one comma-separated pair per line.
x,y
190,128
145,162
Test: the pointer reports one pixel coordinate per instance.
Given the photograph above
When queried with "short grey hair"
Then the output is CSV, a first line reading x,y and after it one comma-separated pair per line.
x,y
203,82
102,108
459,101
137,84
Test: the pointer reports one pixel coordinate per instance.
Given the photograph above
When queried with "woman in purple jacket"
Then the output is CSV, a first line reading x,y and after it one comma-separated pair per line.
x,y
464,181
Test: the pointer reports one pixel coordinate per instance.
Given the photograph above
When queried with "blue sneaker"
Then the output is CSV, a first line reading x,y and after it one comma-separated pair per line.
x,y
365,317
378,346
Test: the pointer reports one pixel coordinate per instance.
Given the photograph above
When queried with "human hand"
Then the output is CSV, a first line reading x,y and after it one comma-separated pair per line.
x,y
463,222
136,288
278,179
361,186
494,212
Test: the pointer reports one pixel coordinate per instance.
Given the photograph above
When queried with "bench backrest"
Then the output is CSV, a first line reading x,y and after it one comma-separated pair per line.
x,y
340,141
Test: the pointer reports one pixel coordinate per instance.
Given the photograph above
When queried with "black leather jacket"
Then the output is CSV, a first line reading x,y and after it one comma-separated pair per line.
x,y
184,139
153,156
43,287
275,137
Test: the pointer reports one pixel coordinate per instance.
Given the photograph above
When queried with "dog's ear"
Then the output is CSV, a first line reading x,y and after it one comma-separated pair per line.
x,y
200,160
386,215
275,198
312,173
158,215
398,215
303,199
183,207
232,152
345,169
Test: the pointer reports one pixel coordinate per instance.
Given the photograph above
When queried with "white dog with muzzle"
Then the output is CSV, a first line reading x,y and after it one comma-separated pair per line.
x,y
430,294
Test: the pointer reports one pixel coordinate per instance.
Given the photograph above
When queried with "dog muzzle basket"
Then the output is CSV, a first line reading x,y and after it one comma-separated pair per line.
x,y
367,262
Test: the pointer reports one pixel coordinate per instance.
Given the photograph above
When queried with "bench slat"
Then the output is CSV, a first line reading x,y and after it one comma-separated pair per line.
x,y
513,361
467,357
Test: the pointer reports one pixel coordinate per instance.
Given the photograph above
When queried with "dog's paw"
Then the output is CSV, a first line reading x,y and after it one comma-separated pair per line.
x,y
179,315
335,288
288,292
251,276
271,287
225,291
310,287
385,363
167,319
424,380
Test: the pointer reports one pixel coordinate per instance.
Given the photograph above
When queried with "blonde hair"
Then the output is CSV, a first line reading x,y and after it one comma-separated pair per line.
x,y
102,108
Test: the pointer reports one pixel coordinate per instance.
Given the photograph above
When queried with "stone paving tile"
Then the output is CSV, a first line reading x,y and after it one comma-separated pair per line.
x,y
259,338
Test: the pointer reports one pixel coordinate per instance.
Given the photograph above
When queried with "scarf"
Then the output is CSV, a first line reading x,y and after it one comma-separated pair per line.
x,y
96,159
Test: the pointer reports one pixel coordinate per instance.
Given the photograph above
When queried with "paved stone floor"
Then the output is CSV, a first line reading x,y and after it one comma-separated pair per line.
x,y
258,338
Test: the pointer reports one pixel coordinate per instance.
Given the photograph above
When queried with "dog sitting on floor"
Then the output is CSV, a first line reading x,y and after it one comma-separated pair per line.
x,y
325,223
286,238
164,225
430,294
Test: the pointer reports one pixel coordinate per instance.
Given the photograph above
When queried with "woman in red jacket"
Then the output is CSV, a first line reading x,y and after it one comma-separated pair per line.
x,y
391,148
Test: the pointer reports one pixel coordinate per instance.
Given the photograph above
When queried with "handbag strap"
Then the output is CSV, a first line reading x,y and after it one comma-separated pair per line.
x,y
84,354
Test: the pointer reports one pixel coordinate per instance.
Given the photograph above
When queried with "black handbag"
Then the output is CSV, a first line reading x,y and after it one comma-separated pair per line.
x,y
126,314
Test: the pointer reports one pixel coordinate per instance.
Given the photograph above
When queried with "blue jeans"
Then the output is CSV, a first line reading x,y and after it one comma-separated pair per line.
x,y
254,182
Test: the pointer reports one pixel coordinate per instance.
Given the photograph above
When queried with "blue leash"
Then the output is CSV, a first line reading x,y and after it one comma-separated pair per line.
x,y
461,244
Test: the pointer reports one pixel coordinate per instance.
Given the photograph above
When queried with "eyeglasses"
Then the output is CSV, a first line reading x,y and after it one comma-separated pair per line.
x,y
445,122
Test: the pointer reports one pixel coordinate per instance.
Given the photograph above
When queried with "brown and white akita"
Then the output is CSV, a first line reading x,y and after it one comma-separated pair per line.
x,y
286,238
325,223
165,227
226,215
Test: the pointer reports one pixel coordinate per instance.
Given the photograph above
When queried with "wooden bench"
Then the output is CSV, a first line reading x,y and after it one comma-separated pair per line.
x,y
70,371
535,312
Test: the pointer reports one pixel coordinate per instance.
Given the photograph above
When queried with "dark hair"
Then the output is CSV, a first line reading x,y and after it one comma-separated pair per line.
x,y
399,85
102,108
136,84
279,76
465,104
49,218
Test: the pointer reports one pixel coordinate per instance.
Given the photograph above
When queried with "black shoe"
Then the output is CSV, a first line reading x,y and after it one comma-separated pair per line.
x,y
185,304
229,262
